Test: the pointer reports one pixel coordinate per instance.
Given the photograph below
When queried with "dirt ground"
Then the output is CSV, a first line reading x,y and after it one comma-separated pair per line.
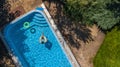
x,y
83,40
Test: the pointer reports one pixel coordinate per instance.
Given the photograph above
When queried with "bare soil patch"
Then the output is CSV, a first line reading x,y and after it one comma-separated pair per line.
x,y
83,40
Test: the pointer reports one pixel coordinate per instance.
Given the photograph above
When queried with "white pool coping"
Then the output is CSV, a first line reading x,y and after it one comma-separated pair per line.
x,y
14,58
57,32
62,41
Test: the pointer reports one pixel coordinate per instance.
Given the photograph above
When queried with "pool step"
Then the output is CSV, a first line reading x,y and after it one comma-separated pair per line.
x,y
40,24
43,25
39,20
39,15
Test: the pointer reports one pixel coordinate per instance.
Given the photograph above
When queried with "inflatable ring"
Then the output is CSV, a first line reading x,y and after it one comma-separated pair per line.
x,y
44,40
26,25
32,30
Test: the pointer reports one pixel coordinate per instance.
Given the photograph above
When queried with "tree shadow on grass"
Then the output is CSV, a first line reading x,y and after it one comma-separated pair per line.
x,y
74,33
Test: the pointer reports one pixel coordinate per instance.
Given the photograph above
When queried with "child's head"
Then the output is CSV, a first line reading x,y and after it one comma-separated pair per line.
x,y
42,37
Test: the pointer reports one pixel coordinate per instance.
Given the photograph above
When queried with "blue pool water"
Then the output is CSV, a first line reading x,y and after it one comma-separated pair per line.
x,y
22,37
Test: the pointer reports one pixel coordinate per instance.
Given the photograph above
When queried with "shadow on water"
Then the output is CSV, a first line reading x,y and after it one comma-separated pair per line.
x,y
5,17
18,40
73,32
48,45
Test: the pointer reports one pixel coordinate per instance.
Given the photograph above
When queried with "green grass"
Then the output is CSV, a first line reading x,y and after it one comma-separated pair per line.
x,y
109,52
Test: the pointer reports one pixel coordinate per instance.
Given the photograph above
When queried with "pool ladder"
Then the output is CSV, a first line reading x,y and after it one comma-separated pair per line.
x,y
40,20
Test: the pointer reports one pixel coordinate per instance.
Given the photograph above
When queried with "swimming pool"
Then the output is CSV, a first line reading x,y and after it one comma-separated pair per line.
x,y
23,39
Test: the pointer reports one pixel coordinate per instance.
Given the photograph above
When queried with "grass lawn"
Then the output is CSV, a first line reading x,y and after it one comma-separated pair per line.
x,y
109,52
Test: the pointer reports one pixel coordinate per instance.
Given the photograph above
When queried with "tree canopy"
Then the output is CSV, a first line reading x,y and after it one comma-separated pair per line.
x,y
105,13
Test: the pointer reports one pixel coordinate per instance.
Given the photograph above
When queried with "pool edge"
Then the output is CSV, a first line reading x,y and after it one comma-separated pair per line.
x,y
55,30
10,52
60,38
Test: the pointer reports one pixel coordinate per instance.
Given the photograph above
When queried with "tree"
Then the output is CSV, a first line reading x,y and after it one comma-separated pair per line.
x,y
94,11
4,12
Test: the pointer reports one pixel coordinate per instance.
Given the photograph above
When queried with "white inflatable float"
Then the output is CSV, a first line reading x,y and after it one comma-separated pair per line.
x,y
43,39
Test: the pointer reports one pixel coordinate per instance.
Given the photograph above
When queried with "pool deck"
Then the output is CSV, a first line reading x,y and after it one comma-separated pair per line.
x,y
62,41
